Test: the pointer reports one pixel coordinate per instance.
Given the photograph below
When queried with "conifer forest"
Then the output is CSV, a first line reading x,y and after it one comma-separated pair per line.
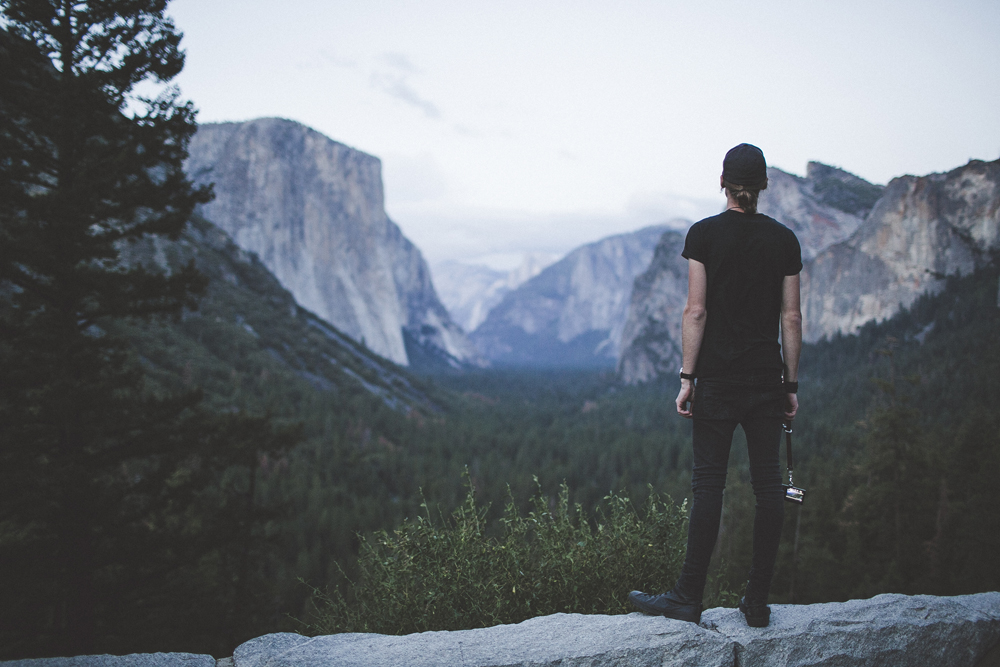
x,y
188,459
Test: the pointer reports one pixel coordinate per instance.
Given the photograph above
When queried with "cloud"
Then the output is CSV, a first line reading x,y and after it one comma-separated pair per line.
x,y
657,207
396,84
400,62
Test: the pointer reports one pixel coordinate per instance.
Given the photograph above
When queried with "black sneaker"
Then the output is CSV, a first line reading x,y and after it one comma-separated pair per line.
x,y
757,615
666,604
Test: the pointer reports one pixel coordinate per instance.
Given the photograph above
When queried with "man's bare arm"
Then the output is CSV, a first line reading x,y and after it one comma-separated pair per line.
x,y
692,331
791,337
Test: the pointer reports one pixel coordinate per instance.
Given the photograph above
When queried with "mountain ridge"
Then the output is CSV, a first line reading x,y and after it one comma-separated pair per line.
x,y
824,208
573,312
313,210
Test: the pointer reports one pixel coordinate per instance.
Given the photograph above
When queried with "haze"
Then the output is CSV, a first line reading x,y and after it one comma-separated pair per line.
x,y
516,126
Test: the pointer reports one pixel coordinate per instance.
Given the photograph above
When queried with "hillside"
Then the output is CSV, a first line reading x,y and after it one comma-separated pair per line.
x,y
250,346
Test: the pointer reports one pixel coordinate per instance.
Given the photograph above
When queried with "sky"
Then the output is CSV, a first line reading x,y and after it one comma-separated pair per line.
x,y
513,126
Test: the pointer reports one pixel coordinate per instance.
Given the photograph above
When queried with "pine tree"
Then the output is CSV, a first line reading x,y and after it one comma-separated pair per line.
x,y
86,167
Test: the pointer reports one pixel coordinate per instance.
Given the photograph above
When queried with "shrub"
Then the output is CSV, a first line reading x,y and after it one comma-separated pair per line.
x,y
450,575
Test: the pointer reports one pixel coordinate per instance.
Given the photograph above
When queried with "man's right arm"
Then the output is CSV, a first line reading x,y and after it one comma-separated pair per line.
x,y
692,331
791,337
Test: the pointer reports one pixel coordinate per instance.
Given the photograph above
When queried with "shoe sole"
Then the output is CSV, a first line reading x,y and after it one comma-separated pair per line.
x,y
652,611
755,621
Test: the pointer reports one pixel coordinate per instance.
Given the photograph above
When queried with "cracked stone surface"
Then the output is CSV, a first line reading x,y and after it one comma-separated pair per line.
x,y
132,660
567,640
895,630
887,630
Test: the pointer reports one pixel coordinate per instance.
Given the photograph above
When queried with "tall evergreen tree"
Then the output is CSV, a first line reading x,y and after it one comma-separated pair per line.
x,y
86,167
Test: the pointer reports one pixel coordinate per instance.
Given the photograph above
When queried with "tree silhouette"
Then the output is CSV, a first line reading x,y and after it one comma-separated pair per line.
x,y
87,167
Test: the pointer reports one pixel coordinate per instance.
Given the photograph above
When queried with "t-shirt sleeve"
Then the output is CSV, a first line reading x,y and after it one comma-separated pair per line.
x,y
696,244
793,257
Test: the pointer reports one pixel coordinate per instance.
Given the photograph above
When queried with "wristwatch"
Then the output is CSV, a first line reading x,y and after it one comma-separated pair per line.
x,y
686,376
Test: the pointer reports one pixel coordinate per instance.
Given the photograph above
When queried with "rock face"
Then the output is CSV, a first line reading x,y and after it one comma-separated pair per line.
x,y
824,209
650,345
920,230
312,210
887,630
573,312
470,291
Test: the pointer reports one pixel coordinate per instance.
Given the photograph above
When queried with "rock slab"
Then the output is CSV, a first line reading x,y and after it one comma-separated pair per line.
x,y
133,660
891,629
567,640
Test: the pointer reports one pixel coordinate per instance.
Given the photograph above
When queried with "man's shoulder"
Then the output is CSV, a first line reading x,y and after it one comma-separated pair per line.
x,y
775,226
707,223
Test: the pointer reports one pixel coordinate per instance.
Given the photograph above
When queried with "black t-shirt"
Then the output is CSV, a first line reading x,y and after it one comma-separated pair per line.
x,y
747,257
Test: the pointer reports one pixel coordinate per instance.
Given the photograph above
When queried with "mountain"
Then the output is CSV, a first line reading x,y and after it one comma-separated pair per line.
x,y
824,208
651,338
249,345
573,312
312,210
470,291
922,229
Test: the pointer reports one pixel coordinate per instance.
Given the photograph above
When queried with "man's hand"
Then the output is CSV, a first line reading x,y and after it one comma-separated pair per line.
x,y
791,406
684,399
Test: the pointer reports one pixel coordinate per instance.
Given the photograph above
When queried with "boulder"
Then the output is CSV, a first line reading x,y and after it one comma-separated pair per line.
x,y
566,640
891,629
133,660
897,630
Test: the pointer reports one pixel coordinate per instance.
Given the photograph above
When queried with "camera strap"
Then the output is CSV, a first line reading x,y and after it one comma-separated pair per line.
x,y
787,426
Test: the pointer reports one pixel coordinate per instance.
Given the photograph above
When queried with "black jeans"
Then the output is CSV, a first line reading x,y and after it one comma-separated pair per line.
x,y
756,403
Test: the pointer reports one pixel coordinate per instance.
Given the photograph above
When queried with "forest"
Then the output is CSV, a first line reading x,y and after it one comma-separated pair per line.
x,y
188,459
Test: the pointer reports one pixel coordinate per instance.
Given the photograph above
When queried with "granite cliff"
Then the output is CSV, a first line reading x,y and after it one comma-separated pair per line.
x,y
312,210
470,291
824,208
573,312
921,229
651,339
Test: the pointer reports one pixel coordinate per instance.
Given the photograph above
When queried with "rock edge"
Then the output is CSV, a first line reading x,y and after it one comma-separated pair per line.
x,y
888,629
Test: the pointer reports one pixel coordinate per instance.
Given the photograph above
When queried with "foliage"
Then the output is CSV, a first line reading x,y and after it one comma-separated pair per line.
x,y
452,575
111,492
898,463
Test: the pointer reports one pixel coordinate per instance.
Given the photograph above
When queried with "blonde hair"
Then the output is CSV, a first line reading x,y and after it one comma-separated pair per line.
x,y
744,196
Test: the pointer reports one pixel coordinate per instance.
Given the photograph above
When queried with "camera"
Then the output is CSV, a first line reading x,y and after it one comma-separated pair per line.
x,y
794,494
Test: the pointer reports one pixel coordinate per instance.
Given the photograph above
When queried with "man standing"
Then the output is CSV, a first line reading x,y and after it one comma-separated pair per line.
x,y
743,285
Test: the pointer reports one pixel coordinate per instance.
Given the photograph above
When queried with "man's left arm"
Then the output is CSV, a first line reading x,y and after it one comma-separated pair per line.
x,y
791,337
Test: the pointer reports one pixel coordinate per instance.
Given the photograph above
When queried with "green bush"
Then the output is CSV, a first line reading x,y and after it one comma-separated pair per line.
x,y
450,575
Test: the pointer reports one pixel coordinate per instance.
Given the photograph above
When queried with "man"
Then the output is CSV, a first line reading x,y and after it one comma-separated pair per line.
x,y
743,285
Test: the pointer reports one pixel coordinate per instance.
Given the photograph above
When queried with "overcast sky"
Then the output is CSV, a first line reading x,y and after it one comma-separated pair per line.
x,y
510,126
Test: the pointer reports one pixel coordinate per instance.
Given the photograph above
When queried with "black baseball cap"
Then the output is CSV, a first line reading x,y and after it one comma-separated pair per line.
x,y
744,165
